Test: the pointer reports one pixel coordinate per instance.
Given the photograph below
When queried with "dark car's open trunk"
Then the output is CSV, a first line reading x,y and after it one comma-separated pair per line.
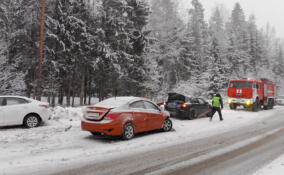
x,y
175,97
175,102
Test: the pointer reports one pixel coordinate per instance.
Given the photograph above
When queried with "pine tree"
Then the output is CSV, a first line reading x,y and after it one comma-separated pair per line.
x,y
164,47
196,40
70,45
16,31
164,18
217,69
254,43
218,76
238,55
217,28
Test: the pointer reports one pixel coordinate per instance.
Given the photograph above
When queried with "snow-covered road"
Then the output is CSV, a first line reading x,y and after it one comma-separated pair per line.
x,y
61,145
276,167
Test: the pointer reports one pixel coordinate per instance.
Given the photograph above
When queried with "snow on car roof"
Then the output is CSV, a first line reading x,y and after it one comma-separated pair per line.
x,y
21,97
15,96
114,102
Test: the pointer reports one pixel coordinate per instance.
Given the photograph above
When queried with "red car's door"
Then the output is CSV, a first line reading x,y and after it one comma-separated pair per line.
x,y
139,116
155,119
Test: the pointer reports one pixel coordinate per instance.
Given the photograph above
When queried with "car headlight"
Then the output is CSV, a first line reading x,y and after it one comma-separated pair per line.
x,y
249,102
229,101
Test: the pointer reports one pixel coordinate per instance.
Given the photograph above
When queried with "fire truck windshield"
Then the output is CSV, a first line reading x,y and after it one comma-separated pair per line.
x,y
240,84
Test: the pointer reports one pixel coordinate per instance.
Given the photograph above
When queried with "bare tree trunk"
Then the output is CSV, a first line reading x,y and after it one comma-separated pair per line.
x,y
86,85
60,95
73,99
41,50
69,91
34,88
53,100
90,99
29,87
100,92
10,26
90,88
28,91
72,89
49,98
82,88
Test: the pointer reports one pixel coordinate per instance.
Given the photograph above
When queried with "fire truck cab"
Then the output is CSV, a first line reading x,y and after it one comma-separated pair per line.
x,y
251,94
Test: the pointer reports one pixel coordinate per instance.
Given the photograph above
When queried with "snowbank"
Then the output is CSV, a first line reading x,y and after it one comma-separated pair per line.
x,y
58,113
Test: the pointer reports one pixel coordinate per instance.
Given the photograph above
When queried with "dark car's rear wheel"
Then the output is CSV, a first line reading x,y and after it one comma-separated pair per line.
x,y
192,115
128,131
209,114
167,126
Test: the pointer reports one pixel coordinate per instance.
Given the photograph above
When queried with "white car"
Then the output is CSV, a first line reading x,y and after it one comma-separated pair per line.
x,y
16,110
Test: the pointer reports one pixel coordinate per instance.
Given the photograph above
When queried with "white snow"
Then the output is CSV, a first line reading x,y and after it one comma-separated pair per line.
x,y
61,144
276,167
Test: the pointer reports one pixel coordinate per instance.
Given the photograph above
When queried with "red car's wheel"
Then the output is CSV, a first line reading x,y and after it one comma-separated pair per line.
x,y
167,126
128,131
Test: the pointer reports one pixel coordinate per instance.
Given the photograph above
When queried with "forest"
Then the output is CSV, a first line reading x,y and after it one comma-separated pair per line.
x,y
103,48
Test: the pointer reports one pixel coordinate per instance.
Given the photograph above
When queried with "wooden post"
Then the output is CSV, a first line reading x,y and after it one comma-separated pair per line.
x,y
38,90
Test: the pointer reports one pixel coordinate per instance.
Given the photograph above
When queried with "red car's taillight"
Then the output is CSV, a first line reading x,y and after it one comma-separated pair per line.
x,y
91,107
112,116
44,106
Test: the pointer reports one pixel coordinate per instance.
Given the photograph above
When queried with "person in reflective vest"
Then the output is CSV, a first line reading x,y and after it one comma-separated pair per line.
x,y
217,105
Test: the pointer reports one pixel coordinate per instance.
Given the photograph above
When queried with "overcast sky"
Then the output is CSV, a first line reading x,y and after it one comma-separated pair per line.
x,y
271,11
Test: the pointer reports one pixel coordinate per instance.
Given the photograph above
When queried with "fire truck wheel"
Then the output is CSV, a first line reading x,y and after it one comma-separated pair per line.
x,y
192,115
256,105
271,103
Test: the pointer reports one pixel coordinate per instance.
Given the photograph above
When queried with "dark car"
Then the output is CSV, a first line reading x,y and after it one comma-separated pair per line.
x,y
185,107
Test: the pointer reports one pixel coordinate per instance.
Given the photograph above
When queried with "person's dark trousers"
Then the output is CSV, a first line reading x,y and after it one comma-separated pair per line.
x,y
214,109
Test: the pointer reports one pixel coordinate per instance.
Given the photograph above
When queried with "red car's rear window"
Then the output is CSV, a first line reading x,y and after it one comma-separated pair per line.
x,y
114,102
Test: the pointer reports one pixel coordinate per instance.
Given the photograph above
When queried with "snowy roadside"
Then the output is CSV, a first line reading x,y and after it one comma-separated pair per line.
x,y
61,144
276,167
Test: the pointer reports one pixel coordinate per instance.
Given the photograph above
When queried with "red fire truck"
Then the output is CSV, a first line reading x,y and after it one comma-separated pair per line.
x,y
252,94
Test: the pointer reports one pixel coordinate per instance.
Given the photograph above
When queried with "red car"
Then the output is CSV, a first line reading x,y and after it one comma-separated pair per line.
x,y
125,116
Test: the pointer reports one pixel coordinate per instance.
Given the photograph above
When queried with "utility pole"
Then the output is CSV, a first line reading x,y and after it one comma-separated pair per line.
x,y
38,88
